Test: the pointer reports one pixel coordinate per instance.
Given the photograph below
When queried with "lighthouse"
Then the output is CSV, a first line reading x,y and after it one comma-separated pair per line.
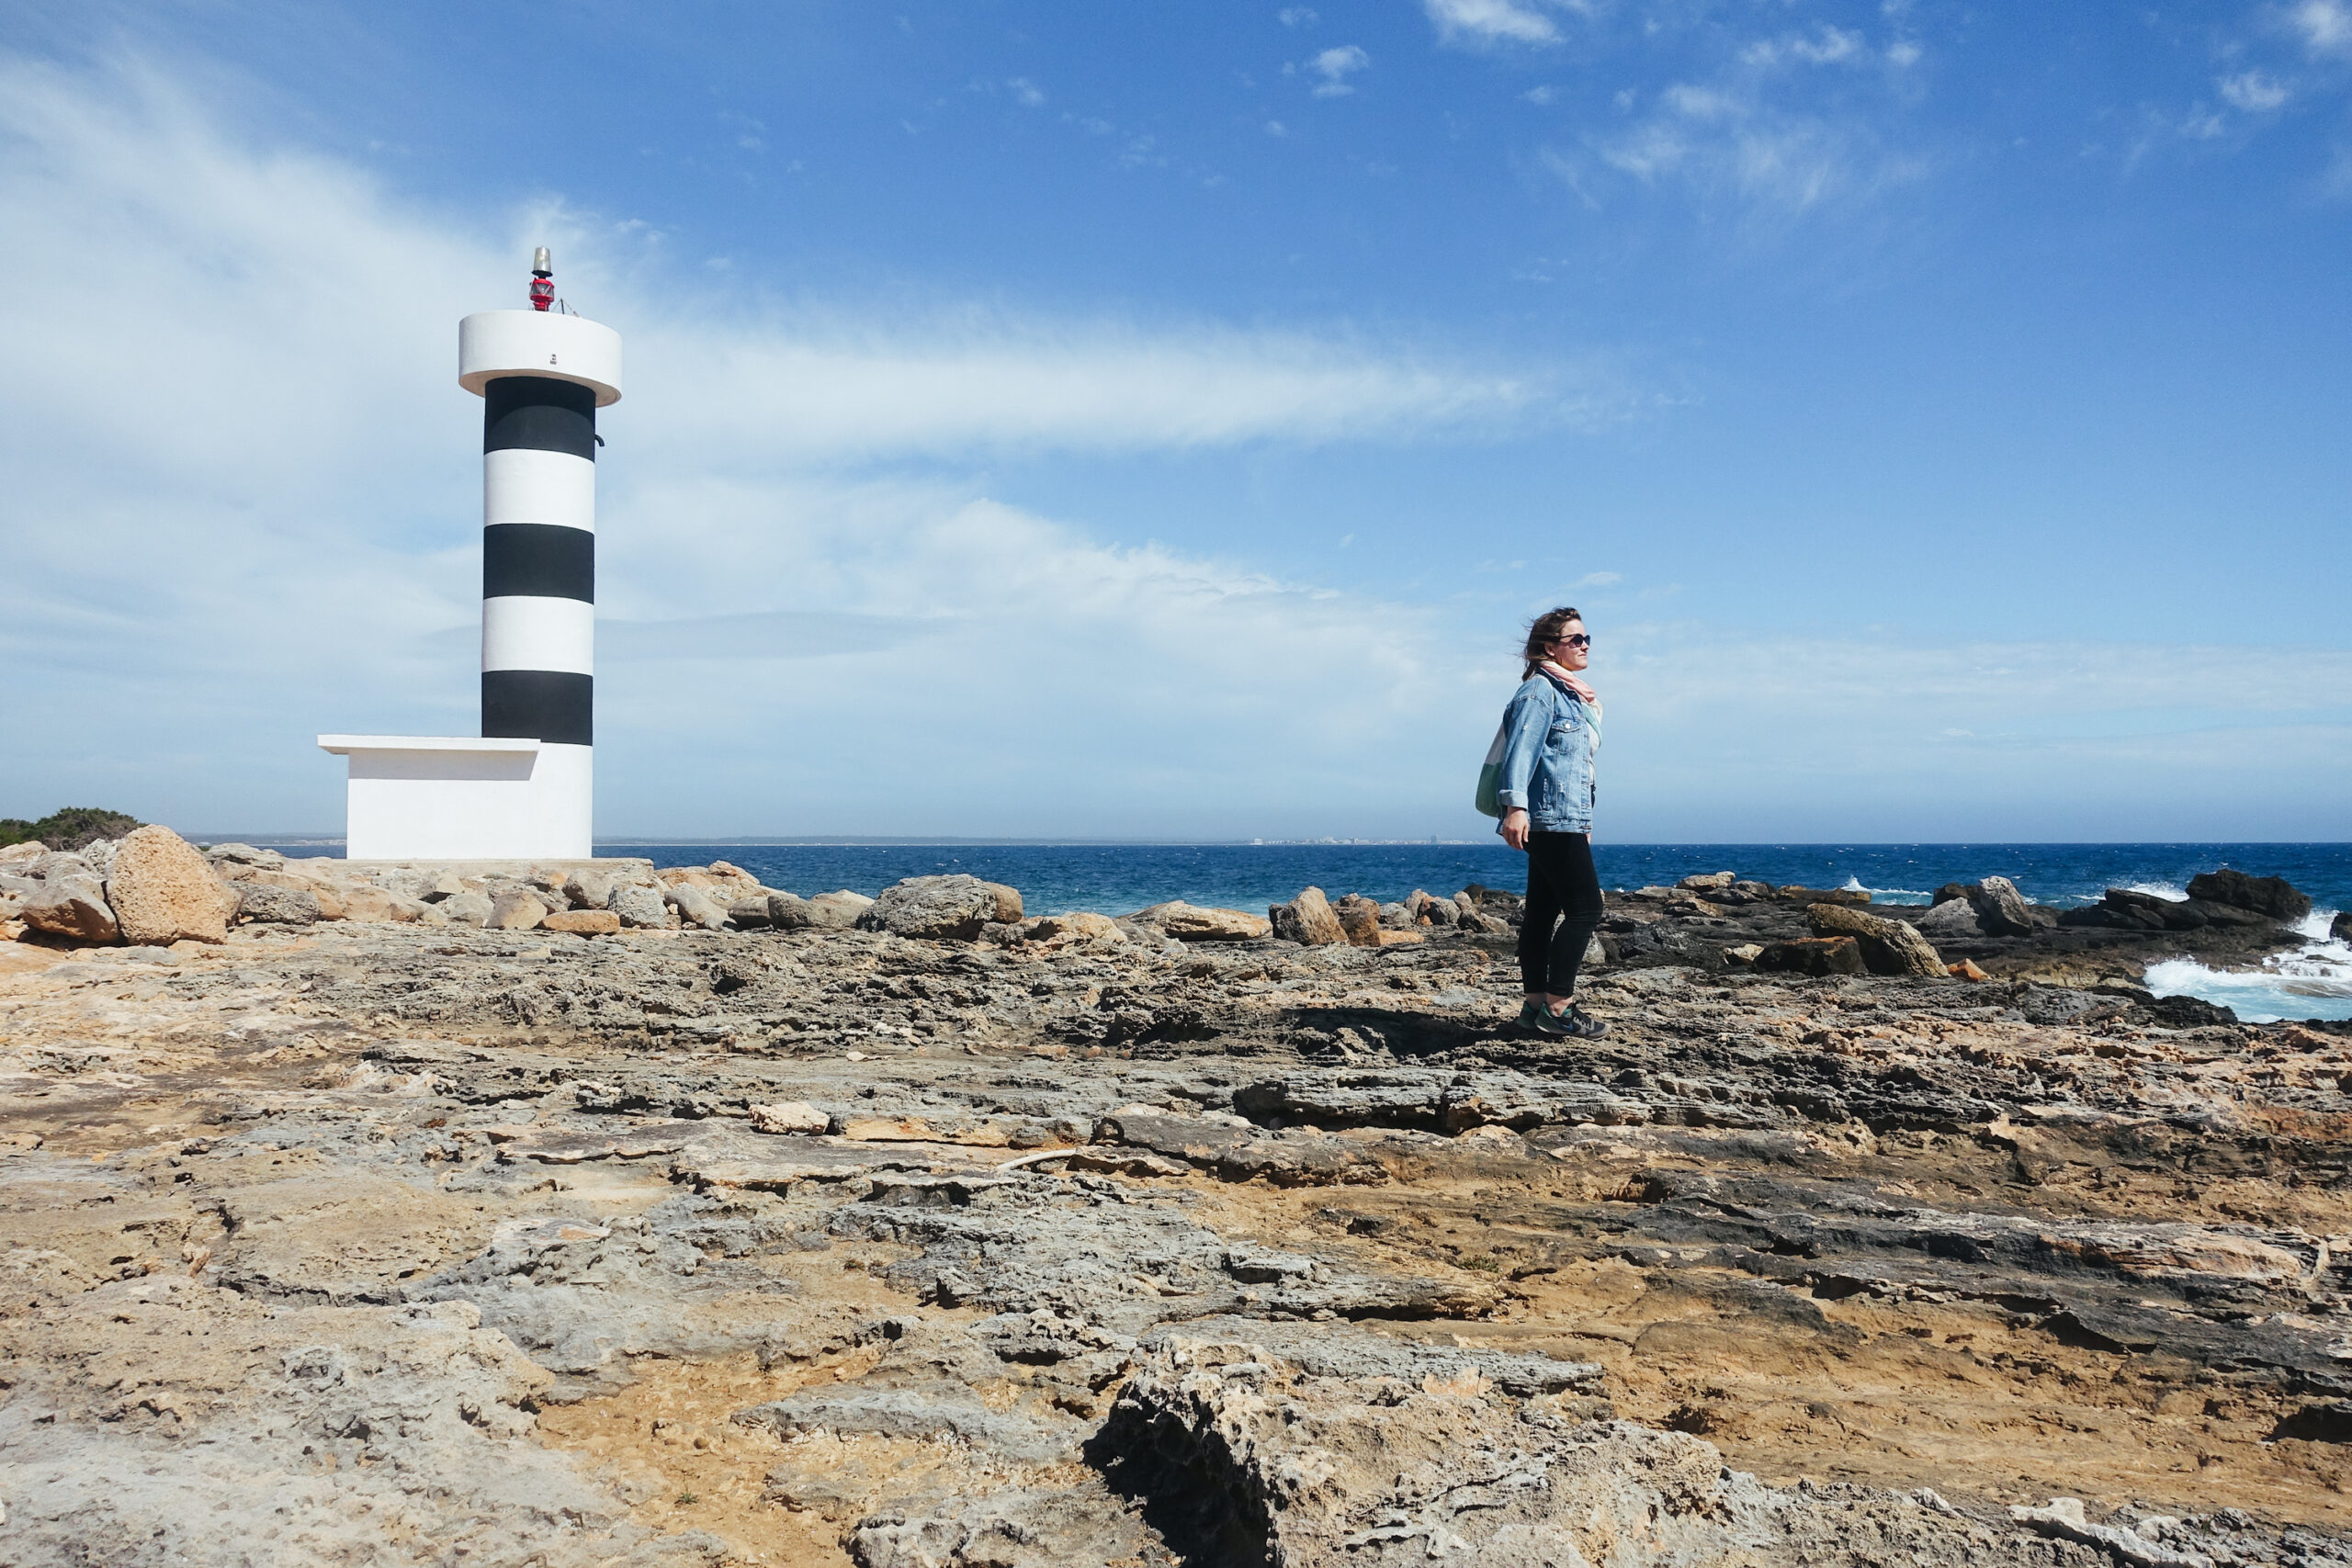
x,y
526,787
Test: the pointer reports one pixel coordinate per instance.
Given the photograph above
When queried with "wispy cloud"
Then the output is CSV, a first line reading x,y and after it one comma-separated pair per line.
x,y
1488,22
1760,131
2325,26
1297,17
1335,66
1723,144
2253,92
1828,45
1024,92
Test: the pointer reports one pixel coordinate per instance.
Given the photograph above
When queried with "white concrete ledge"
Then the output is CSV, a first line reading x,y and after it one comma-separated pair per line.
x,y
343,745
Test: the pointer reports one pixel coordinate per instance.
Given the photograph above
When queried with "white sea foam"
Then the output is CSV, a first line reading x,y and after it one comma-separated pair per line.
x,y
1890,895
2313,981
2172,891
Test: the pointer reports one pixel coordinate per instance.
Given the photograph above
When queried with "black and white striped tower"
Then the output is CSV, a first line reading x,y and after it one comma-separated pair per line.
x,y
542,375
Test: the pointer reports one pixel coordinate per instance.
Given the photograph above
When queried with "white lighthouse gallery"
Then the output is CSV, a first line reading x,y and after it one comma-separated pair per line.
x,y
523,788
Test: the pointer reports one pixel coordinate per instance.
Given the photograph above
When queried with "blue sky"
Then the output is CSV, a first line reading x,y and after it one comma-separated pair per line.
x,y
1153,421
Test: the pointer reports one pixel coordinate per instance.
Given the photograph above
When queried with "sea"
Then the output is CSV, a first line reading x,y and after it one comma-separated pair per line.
x,y
2313,982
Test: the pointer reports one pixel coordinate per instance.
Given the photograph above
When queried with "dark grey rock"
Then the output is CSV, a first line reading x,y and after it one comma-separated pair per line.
x,y
2268,895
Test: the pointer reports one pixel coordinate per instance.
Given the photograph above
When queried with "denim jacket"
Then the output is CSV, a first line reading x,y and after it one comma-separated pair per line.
x,y
1548,758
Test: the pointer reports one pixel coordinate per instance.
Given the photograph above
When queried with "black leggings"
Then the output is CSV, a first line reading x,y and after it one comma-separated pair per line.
x,y
1562,886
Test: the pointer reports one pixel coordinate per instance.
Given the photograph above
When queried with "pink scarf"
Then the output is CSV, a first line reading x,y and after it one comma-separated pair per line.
x,y
1573,682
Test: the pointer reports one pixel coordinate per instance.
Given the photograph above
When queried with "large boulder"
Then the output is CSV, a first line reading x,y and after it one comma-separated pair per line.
x,y
642,907
1195,922
1953,919
20,856
2001,908
1306,920
583,922
515,910
2341,927
939,908
1708,881
266,903
826,911
162,892
221,857
73,905
591,889
1358,917
839,908
2268,895
468,909
365,902
696,906
1889,947
1823,957
1429,911
1071,930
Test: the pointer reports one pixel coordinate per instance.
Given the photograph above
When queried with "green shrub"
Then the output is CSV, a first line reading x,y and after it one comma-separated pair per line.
x,y
70,827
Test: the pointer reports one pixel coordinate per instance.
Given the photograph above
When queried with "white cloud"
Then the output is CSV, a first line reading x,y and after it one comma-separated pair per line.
x,y
1297,17
2325,25
1335,66
2065,739
1489,22
1830,46
1541,95
1728,141
2253,92
1903,53
1599,579
1024,92
284,545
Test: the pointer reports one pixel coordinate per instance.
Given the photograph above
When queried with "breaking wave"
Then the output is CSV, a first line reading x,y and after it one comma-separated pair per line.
x,y
1886,894
2313,981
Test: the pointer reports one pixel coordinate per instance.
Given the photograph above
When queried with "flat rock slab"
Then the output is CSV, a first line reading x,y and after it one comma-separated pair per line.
x,y
728,1159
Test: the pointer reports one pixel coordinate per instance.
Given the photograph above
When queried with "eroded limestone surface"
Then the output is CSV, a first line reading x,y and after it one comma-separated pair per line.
x,y
389,1243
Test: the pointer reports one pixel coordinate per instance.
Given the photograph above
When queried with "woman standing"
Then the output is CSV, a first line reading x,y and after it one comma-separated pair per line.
x,y
1546,790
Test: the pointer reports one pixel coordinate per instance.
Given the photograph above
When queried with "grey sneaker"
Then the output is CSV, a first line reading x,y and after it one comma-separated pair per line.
x,y
1574,1023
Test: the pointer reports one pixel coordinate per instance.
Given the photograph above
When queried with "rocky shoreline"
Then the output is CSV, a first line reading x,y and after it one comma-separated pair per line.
x,y
600,1212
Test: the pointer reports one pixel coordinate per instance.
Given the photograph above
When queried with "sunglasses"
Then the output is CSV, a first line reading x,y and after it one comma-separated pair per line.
x,y
1579,640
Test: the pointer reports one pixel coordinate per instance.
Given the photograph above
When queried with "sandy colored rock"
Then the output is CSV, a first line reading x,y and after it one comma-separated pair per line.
x,y
515,910
364,902
1358,918
940,907
74,907
22,855
1193,922
583,922
268,903
1889,947
1077,927
162,891
791,1116
1306,920
468,908
697,905
641,908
